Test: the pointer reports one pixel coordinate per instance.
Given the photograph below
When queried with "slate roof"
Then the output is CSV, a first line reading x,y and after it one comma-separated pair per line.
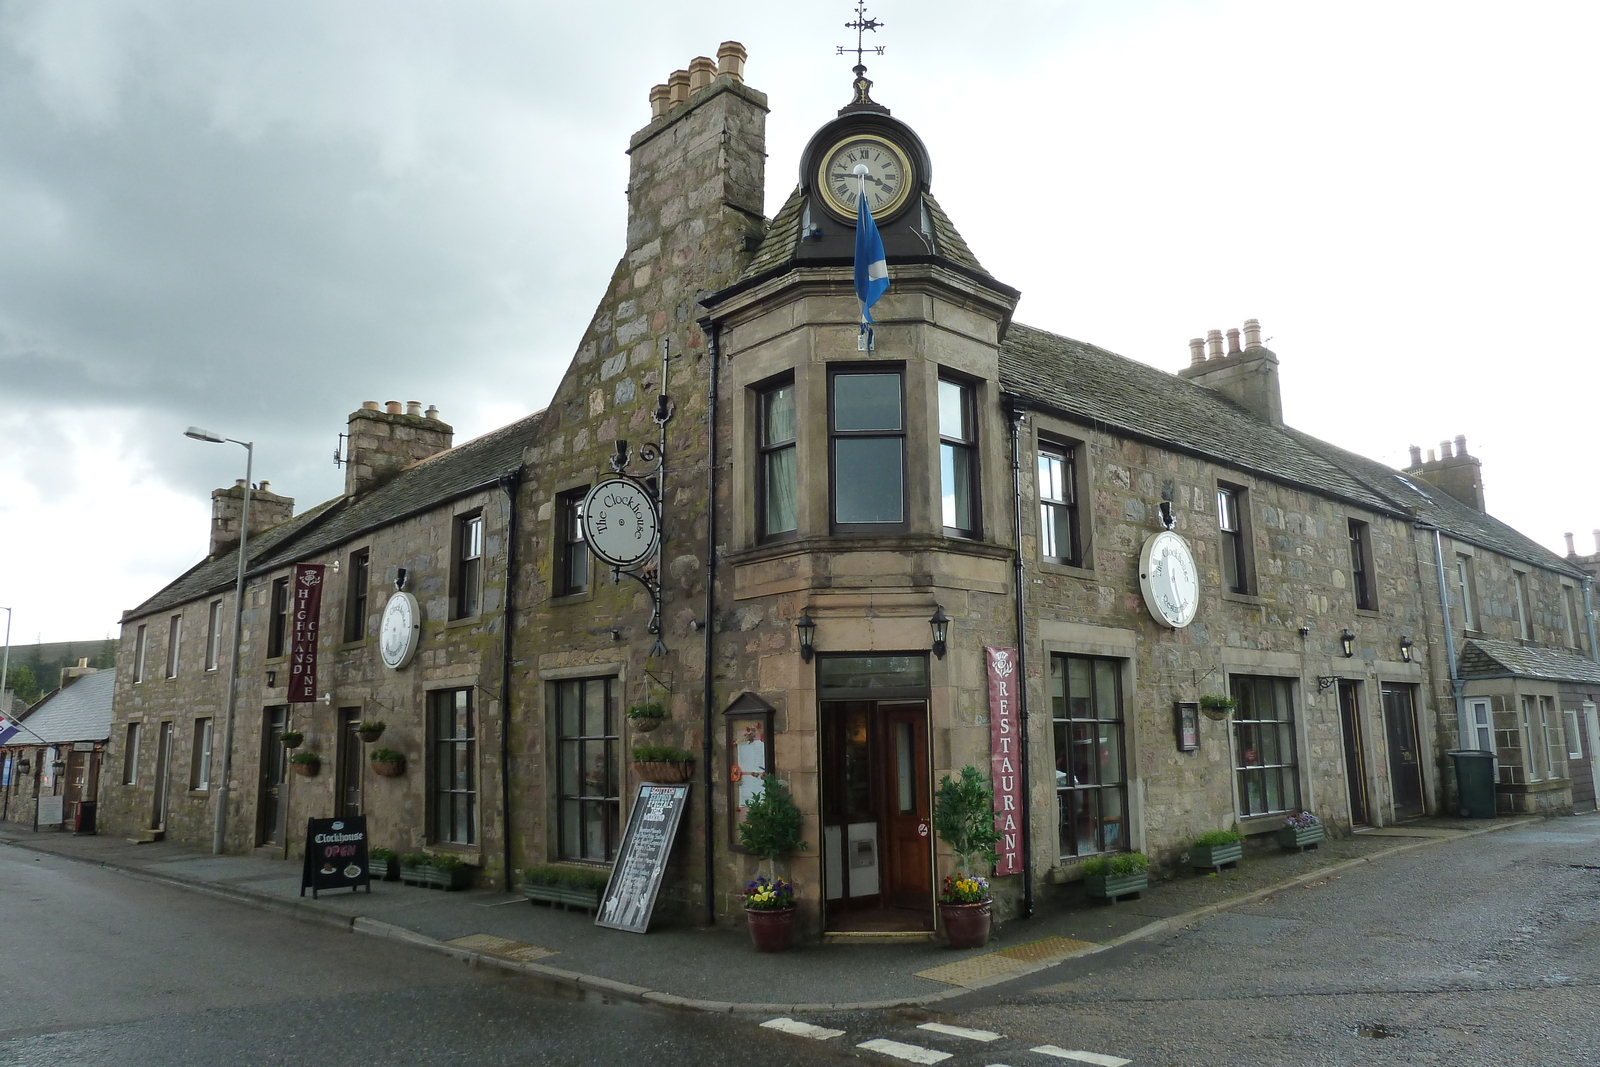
x,y
80,712
466,468
782,239
1483,657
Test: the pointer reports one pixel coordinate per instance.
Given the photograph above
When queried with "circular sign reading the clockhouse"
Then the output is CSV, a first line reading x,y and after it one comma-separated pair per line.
x,y
1168,580
398,632
620,522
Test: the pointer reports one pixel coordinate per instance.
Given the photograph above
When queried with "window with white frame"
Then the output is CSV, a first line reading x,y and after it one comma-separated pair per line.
x,y
213,634
469,566
130,754
1264,746
1467,589
1569,607
138,654
1519,588
1569,717
573,566
958,458
1539,738
200,758
777,476
1480,726
1366,586
1233,511
174,640
1059,540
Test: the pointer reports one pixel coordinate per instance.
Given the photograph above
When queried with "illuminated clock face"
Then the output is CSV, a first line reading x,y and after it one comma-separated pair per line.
x,y
888,178
397,634
1168,580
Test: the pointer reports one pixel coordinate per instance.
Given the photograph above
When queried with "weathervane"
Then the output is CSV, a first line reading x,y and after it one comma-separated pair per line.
x,y
861,25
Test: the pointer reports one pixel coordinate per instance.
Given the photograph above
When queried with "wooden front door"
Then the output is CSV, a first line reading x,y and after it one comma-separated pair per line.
x,y
347,793
877,826
1405,761
1355,760
274,794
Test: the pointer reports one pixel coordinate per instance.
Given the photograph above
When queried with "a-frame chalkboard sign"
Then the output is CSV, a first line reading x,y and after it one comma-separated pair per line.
x,y
336,855
630,895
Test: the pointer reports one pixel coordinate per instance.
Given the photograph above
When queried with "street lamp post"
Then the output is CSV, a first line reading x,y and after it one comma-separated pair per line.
x,y
5,670
219,829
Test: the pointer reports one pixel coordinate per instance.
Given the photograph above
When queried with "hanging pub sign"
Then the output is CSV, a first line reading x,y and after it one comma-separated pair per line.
x,y
305,615
336,855
630,895
1005,756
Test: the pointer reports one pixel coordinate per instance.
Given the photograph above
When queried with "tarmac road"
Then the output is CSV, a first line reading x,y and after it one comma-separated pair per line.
x,y
102,968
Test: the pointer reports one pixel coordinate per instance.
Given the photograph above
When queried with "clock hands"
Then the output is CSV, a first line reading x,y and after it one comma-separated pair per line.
x,y
868,177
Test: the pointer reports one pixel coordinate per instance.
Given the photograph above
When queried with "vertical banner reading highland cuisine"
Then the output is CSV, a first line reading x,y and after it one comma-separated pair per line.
x,y
305,613
1005,756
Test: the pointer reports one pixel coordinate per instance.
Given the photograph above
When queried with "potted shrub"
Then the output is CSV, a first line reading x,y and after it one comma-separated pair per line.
x,y
1301,832
291,738
387,762
381,864
1109,877
772,827
963,817
370,731
571,887
647,716
662,763
1215,707
306,763
1216,849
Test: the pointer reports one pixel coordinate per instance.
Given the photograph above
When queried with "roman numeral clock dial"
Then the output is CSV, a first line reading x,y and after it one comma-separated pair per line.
x,y
888,176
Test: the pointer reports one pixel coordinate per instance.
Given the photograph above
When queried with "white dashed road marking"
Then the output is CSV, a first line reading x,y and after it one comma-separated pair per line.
x,y
901,1051
800,1029
961,1031
1082,1057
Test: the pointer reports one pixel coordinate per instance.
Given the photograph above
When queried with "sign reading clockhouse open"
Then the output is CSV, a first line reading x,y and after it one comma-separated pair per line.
x,y
620,522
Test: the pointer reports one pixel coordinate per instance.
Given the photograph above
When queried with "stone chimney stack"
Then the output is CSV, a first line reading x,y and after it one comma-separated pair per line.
x,y
384,442
1452,470
1248,376
1572,548
267,509
72,674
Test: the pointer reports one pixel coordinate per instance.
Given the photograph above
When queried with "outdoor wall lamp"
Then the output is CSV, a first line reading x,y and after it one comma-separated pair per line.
x,y
941,631
1347,642
1405,649
808,633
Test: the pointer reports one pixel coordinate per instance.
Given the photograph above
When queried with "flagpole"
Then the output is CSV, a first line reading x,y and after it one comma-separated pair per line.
x,y
5,671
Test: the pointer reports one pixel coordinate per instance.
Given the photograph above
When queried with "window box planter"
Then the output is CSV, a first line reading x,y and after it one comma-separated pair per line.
x,y
1300,839
662,763
1108,887
428,875
1216,856
565,895
568,886
386,869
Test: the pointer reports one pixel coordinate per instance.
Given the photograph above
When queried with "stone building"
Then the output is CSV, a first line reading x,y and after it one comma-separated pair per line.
x,y
860,543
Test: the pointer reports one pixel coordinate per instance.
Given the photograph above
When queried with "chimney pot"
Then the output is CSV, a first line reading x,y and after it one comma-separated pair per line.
x,y
83,661
678,87
702,69
1461,444
1197,350
1252,333
1213,344
414,408
1444,449
431,413
1572,549
264,487
1233,342
392,406
1416,456
1431,457
238,483
1597,542
730,59
660,100
370,405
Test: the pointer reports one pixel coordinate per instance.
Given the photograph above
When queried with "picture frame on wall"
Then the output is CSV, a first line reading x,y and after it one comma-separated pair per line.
x,y
1186,720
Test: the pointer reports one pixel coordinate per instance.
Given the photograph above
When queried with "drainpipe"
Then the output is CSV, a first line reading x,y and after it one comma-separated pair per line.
x,y
714,351
1588,613
1457,686
508,482
1017,412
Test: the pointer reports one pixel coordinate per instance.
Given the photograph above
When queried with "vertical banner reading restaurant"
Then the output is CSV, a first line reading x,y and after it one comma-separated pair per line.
x,y
1005,755
305,614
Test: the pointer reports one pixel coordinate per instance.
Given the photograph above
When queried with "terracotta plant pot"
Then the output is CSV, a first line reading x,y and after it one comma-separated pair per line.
x,y
388,768
665,771
308,770
771,929
966,925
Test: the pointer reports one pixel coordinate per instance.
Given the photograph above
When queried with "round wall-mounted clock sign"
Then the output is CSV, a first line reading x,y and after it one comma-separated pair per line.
x,y
889,176
399,631
620,522
1168,579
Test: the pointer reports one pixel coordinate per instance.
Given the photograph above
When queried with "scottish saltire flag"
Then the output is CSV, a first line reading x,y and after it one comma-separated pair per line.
x,y
8,730
872,270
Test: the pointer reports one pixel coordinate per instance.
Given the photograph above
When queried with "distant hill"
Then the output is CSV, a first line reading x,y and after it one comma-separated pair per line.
x,y
36,668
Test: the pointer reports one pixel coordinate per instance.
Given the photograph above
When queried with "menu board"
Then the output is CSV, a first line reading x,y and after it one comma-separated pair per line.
x,y
336,855
630,895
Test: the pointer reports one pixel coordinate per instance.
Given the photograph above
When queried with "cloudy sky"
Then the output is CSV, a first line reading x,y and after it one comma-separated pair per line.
x,y
253,217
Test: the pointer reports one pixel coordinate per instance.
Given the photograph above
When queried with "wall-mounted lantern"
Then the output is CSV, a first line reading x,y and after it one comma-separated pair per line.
x,y
1347,642
808,633
1405,649
941,631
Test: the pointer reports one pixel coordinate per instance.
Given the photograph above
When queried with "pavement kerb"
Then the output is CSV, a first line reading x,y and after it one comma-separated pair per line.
x,y
594,983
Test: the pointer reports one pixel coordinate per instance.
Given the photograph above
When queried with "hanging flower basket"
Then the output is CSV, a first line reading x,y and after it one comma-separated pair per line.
x,y
388,763
291,738
648,716
369,731
306,764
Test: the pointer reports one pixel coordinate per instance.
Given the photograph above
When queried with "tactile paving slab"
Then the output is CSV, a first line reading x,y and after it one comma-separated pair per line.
x,y
1046,948
506,949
